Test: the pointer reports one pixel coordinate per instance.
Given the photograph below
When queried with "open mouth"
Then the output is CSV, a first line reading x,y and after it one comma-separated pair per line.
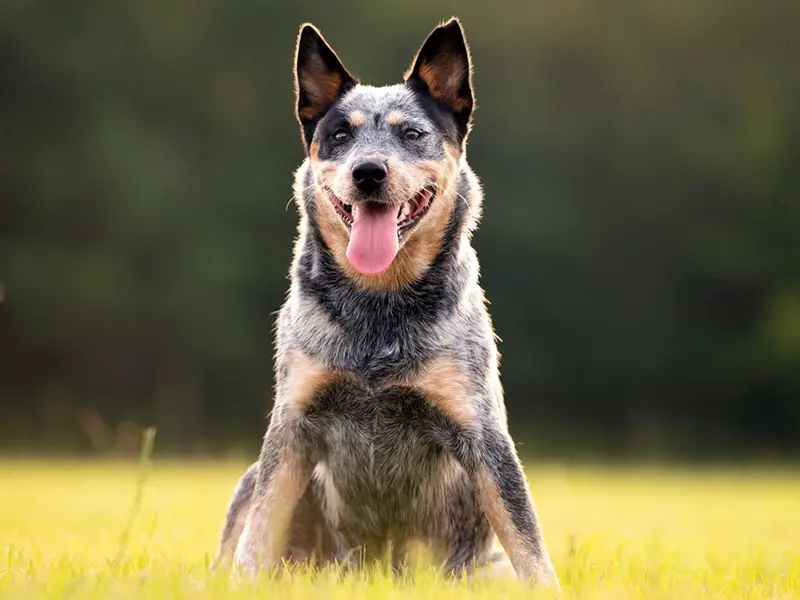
x,y
413,210
408,213
377,229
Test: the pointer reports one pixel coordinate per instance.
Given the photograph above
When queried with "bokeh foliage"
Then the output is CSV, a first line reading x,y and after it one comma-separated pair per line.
x,y
640,246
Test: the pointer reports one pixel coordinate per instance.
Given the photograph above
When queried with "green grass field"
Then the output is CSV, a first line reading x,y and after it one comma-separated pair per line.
x,y
613,533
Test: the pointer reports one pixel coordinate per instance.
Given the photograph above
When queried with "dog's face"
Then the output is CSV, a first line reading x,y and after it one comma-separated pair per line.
x,y
384,159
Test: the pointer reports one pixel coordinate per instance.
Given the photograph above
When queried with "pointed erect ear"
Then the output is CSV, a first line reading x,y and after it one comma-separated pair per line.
x,y
320,79
443,69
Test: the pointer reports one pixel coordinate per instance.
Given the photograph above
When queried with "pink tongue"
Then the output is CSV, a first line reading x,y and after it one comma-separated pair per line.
x,y
373,237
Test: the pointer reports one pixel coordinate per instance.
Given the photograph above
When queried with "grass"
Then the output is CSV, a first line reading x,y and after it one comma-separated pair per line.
x,y
613,532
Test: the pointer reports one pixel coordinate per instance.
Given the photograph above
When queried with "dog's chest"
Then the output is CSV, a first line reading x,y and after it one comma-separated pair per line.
x,y
383,463
379,441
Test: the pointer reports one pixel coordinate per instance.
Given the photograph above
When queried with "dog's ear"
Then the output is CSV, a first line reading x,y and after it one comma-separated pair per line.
x,y
320,79
443,69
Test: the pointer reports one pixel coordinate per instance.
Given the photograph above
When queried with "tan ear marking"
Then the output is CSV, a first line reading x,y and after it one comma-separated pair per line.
x,y
320,76
443,65
443,77
321,88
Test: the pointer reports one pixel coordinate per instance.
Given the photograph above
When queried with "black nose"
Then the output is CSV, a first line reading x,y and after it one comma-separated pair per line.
x,y
369,176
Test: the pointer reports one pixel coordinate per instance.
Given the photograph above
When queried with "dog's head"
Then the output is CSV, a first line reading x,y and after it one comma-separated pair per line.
x,y
384,159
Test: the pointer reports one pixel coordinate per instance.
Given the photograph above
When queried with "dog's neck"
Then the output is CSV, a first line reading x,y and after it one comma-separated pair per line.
x,y
350,327
433,293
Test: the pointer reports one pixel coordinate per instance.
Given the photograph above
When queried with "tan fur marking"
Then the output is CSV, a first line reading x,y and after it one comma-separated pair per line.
x,y
321,87
489,498
313,151
309,112
443,77
356,118
305,377
525,564
326,169
445,384
395,117
270,517
333,230
411,262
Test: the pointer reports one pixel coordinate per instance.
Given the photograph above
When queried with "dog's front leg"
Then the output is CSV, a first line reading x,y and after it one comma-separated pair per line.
x,y
506,500
284,470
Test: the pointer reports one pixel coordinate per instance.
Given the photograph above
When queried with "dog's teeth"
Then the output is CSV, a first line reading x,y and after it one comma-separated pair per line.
x,y
404,211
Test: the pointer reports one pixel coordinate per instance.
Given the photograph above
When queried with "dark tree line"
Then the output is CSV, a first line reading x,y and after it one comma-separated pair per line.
x,y
640,245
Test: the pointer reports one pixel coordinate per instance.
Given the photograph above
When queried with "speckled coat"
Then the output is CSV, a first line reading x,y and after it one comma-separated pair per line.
x,y
389,431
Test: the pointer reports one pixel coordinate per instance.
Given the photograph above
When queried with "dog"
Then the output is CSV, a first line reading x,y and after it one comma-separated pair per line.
x,y
389,430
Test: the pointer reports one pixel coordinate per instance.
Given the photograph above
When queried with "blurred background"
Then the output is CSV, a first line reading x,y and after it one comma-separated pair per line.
x,y
640,245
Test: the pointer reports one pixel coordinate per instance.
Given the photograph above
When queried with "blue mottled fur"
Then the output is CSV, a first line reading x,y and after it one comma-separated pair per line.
x,y
389,428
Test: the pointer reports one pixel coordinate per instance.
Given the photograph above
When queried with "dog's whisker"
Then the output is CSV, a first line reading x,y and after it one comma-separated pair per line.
x,y
288,202
443,191
466,202
316,183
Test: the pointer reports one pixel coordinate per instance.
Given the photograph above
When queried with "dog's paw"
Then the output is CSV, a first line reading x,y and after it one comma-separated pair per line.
x,y
245,568
546,577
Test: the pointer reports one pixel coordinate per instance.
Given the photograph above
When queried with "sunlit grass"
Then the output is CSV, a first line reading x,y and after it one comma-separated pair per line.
x,y
612,532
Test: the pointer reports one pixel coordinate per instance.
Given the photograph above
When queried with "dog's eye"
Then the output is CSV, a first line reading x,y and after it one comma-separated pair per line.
x,y
412,134
340,135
